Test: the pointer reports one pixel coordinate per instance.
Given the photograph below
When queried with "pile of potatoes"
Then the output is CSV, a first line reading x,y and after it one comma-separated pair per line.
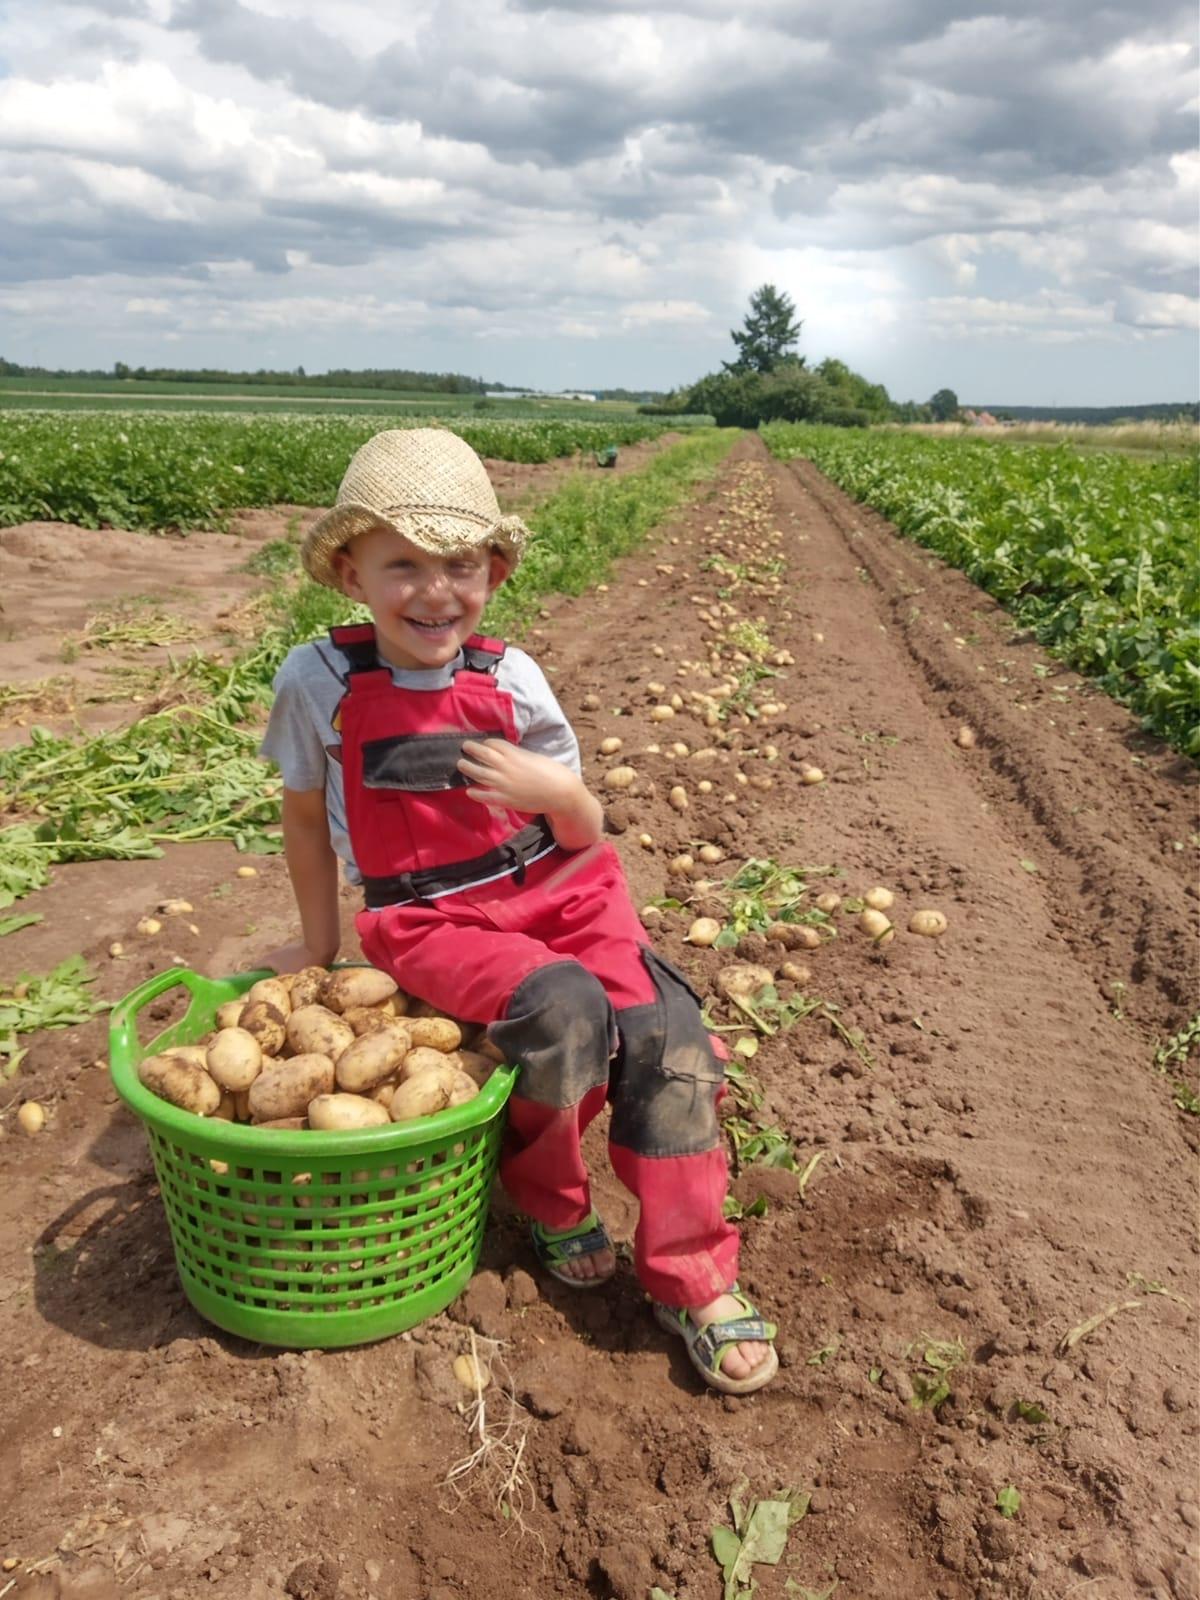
x,y
333,1051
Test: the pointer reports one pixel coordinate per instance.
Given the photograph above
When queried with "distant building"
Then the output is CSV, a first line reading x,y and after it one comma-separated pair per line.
x,y
537,394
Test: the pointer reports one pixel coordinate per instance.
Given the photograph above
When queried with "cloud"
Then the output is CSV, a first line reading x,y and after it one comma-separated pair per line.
x,y
516,170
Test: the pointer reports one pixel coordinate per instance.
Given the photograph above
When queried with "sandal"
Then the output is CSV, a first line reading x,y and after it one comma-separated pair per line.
x,y
554,1248
708,1346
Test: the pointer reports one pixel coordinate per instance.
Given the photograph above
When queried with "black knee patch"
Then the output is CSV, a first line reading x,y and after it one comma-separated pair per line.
x,y
667,1076
558,1030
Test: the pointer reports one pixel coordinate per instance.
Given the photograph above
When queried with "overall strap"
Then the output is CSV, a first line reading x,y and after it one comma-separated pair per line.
x,y
356,642
481,654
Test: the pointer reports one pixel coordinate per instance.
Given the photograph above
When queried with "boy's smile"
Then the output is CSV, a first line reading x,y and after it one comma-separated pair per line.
x,y
424,606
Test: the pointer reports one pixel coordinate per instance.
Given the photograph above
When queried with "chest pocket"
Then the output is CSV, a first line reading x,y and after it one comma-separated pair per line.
x,y
420,762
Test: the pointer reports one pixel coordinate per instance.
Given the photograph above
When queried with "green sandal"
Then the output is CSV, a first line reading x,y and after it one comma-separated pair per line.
x,y
708,1346
554,1248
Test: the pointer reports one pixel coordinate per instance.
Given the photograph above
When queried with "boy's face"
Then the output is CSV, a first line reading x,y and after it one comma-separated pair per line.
x,y
424,606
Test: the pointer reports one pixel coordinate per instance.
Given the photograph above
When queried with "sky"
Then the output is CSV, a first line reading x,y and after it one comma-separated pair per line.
x,y
585,194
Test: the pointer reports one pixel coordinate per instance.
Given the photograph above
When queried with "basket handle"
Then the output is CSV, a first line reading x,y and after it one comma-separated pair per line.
x,y
122,1030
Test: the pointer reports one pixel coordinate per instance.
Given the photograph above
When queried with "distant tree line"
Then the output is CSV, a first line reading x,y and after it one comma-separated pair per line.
x,y
1096,416
296,378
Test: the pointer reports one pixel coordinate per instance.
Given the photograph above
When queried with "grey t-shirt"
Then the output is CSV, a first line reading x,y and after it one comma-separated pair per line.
x,y
302,741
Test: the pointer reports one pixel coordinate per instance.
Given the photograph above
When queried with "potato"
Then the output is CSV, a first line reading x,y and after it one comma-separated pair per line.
x,y
241,1104
274,991
477,1066
267,1024
424,1059
619,777
368,1019
742,979
421,1096
371,1059
31,1118
795,972
356,986
315,1030
288,1124
382,1092
227,1110
465,1088
828,902
335,1112
703,931
193,1054
485,1047
437,1033
929,924
234,1058
306,986
284,1088
794,935
876,924
180,1082
230,1014
879,898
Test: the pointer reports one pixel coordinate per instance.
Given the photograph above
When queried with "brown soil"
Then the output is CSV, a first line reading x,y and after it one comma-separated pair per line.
x,y
1009,1166
61,586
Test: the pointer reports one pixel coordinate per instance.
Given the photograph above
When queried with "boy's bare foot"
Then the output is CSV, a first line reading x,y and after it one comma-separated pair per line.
x,y
743,1359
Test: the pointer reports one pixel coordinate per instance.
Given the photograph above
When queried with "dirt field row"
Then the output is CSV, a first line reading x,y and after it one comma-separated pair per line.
x,y
999,1164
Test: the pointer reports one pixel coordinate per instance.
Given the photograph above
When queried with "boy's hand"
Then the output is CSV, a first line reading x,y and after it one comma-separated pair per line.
x,y
505,776
293,958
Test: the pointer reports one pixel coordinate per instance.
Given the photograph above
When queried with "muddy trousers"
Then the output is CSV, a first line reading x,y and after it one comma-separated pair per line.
x,y
558,968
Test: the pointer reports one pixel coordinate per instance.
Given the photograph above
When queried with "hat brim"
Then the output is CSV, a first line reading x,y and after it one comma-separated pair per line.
x,y
441,533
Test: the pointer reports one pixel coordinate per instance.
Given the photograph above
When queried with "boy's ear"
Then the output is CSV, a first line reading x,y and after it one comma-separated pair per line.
x,y
343,566
498,570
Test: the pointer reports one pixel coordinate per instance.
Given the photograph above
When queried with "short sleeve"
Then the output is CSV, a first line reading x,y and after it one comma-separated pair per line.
x,y
293,739
541,724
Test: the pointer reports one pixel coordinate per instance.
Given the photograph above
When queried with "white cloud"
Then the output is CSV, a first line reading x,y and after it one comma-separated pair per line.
x,y
521,172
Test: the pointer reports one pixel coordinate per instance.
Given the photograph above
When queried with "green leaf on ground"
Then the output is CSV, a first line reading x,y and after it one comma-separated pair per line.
x,y
759,1536
21,920
1008,1501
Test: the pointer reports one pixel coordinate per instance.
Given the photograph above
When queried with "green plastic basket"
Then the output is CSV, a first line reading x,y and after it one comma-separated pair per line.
x,y
308,1239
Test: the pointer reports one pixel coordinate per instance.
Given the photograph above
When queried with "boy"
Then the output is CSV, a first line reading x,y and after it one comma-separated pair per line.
x,y
439,767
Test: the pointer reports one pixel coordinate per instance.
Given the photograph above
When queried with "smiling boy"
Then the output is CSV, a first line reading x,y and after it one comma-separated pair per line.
x,y
438,766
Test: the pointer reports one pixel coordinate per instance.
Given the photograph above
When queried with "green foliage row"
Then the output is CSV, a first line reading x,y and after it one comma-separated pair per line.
x,y
140,471
790,392
1097,554
191,772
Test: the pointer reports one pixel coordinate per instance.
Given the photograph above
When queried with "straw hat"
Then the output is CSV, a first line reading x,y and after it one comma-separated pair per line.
x,y
427,484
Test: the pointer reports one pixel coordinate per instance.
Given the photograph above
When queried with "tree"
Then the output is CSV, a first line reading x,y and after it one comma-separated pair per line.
x,y
944,405
769,331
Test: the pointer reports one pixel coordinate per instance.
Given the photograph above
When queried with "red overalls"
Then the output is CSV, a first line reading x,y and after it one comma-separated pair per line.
x,y
482,915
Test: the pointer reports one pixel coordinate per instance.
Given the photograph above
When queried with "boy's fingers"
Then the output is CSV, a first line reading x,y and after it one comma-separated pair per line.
x,y
483,749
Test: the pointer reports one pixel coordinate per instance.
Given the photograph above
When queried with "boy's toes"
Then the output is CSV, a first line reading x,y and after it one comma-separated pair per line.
x,y
601,1264
743,1359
